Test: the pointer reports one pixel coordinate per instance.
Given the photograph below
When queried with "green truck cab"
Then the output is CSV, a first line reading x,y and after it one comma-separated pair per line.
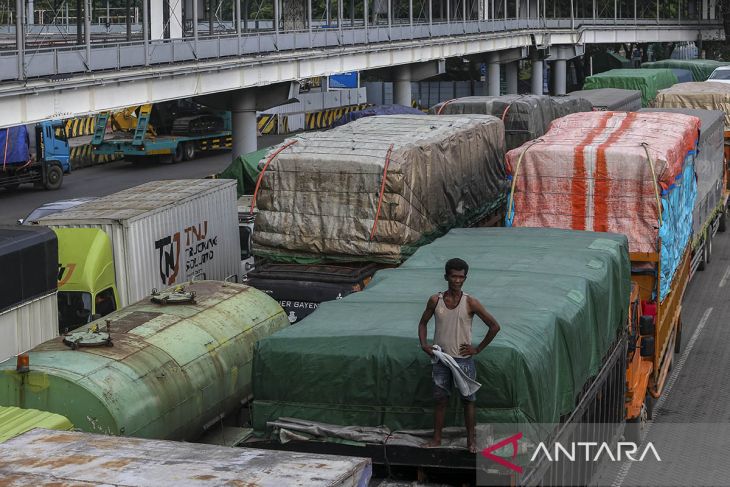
x,y
86,279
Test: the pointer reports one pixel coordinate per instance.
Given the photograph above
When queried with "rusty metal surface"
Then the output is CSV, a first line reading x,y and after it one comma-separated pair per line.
x,y
172,368
45,458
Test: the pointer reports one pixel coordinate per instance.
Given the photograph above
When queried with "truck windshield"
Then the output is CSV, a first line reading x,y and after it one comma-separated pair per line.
x,y
74,310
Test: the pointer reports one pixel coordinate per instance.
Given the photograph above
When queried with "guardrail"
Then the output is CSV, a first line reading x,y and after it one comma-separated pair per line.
x,y
62,61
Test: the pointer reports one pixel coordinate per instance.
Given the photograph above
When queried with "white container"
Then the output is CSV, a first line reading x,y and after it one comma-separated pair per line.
x,y
26,325
164,233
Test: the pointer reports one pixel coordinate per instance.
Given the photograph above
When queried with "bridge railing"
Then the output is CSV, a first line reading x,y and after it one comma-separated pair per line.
x,y
55,62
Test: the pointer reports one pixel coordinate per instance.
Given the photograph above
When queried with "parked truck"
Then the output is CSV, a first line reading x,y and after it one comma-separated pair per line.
x,y
181,129
28,305
148,237
42,164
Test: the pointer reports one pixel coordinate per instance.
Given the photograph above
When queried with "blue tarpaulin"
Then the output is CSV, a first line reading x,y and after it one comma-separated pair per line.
x,y
14,145
377,110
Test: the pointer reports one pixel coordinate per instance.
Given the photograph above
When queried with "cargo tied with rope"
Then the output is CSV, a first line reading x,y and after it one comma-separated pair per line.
x,y
377,188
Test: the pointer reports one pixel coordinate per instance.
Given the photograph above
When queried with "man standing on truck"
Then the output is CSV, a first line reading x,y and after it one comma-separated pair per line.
x,y
454,310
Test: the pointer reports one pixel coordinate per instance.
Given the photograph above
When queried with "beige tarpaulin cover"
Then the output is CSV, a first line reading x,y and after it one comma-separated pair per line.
x,y
706,95
319,197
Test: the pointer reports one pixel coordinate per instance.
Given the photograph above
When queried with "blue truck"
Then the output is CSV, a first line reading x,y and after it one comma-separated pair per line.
x,y
42,164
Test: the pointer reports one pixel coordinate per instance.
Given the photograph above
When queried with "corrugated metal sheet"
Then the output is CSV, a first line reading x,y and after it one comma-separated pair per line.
x,y
28,325
16,421
164,232
172,369
55,458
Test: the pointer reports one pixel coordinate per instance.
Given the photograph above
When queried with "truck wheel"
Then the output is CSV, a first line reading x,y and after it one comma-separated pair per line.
x,y
54,177
189,150
722,225
179,154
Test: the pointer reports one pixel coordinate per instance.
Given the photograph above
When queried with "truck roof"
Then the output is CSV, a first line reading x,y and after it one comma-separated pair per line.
x,y
46,457
139,201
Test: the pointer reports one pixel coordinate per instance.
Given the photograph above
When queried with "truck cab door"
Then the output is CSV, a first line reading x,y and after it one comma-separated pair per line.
x,y
55,143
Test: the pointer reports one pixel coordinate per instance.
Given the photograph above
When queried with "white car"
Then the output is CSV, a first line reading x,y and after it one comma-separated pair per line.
x,y
721,74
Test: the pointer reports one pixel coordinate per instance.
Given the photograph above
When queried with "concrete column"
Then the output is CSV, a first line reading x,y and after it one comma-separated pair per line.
x,y
511,70
536,77
560,72
243,119
402,86
493,78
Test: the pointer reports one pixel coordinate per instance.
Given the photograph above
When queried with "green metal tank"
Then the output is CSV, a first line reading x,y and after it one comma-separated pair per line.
x,y
168,367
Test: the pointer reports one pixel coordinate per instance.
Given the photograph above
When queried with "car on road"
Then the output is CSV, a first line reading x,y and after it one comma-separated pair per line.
x,y
721,74
52,207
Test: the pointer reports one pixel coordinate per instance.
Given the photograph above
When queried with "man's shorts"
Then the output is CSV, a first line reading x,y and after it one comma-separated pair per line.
x,y
443,380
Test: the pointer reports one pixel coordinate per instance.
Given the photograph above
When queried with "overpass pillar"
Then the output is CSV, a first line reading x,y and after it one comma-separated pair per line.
x,y
493,78
511,70
402,85
243,121
536,79
560,72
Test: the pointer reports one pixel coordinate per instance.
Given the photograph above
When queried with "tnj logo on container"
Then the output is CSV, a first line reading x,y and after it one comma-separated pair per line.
x,y
576,451
198,249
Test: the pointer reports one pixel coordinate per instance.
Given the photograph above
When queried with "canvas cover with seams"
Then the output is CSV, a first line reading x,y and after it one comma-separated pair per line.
x,y
320,197
560,296
591,172
525,117
705,95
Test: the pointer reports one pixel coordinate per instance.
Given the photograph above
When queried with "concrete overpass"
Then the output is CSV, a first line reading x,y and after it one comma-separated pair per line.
x,y
232,70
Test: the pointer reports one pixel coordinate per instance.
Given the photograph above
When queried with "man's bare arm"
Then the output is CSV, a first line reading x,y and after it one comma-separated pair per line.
x,y
423,324
478,309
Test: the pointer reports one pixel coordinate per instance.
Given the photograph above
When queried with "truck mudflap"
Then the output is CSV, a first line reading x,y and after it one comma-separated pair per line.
x,y
598,414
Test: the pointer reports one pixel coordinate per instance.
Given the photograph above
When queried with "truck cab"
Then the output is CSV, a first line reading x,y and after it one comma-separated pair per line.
x,y
86,279
52,144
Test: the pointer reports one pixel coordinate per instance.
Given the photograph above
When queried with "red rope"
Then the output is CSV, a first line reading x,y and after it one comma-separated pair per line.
x,y
266,166
504,114
382,191
443,105
7,143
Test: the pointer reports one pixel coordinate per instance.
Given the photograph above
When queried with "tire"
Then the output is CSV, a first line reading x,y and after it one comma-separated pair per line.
x,y
722,224
179,154
189,150
54,177
678,340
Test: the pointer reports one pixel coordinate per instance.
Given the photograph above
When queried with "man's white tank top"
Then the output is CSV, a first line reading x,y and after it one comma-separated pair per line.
x,y
453,326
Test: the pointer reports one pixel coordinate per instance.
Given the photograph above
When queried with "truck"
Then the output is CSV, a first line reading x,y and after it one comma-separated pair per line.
x,y
155,235
610,99
28,303
605,171
139,463
181,129
42,164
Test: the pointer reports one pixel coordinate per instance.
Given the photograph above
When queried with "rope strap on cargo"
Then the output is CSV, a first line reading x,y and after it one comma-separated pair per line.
x,y
653,177
514,176
263,171
382,190
443,105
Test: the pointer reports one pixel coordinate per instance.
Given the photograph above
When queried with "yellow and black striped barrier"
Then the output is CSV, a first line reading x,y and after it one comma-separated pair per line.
x,y
83,156
218,143
268,124
325,118
80,126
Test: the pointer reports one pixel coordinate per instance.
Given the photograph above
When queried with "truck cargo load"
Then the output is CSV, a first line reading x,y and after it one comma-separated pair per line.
x,y
610,99
525,117
14,145
701,69
16,421
377,188
28,303
167,367
707,95
630,173
52,458
561,298
164,232
648,81
709,166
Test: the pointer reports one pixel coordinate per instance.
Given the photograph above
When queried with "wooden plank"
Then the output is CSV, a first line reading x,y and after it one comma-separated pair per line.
x,y
44,457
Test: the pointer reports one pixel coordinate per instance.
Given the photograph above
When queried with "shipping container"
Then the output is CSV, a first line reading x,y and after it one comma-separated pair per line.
x,y
72,458
28,307
164,233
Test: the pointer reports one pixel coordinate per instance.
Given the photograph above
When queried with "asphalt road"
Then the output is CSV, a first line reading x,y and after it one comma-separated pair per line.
x,y
110,178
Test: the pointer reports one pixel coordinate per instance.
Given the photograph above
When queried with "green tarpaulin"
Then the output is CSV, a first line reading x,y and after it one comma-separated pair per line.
x,y
245,170
701,69
603,61
648,81
561,297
